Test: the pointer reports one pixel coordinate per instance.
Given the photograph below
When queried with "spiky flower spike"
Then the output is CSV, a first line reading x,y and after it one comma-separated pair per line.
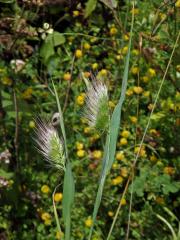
x,y
97,109
49,144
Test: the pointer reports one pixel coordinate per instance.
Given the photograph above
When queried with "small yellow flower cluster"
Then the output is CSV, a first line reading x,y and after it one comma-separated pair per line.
x,y
124,172
45,189
76,13
59,235
120,156
169,170
27,94
7,81
46,217
67,76
133,119
123,201
126,37
58,197
113,31
135,52
87,130
94,66
78,53
177,4
137,89
142,151
80,100
135,11
87,46
123,140
80,151
117,181
135,70
97,154
32,124
88,222
125,133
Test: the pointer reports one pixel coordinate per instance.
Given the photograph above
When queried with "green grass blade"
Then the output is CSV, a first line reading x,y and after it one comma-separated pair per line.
x,y
68,199
110,146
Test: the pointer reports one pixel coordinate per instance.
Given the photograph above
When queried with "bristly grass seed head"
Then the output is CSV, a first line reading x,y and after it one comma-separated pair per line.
x,y
97,109
49,144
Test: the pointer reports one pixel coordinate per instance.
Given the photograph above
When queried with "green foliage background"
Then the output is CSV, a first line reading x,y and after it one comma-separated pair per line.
x,y
63,40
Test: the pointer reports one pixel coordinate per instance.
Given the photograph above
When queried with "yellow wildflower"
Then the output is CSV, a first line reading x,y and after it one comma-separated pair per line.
x,y
135,11
125,133
103,72
120,156
142,152
58,197
111,104
67,76
135,52
46,217
110,214
124,50
137,89
76,13
87,46
123,141
80,99
88,222
145,79
119,57
124,172
27,94
153,158
32,124
45,189
118,180
133,119
151,72
94,66
113,31
146,94
160,200
177,4
80,153
169,170
78,53
129,92
87,130
97,154
59,235
123,201
7,81
135,70
126,37
79,145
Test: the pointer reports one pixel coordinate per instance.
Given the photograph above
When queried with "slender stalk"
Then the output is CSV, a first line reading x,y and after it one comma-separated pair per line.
x,y
55,210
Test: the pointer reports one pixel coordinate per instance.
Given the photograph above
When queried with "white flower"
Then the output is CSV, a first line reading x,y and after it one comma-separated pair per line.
x,y
97,111
49,144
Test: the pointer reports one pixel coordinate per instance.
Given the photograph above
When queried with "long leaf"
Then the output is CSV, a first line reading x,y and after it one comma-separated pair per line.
x,y
68,199
111,140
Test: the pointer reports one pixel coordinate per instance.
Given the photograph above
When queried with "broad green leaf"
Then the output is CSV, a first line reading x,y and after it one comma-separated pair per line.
x,y
47,50
90,7
52,40
57,38
68,199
